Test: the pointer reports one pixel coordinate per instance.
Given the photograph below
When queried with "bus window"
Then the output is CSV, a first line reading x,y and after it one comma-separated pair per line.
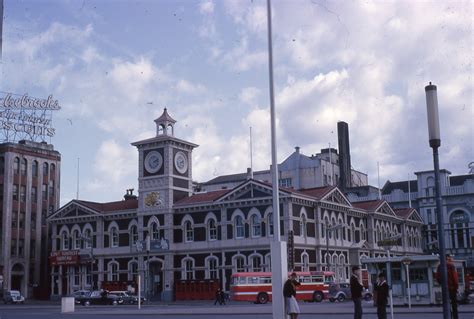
x,y
266,280
328,279
317,279
305,279
242,280
253,280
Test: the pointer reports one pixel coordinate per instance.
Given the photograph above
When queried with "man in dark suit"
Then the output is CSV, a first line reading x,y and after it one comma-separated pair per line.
x,y
453,284
356,292
381,290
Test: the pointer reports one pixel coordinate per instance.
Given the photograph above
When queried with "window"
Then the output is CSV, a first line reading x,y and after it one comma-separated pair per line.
x,y
2,165
23,167
256,226
270,224
77,276
34,168
303,226
65,240
155,232
21,247
51,188
239,227
33,221
212,272
133,235
34,193
15,219
13,247
88,238
285,182
32,249
132,271
53,170
45,169
76,239
188,269
189,232
212,228
16,166
114,237
89,275
304,262
22,220
113,271
22,193
239,264
15,192
44,191
256,263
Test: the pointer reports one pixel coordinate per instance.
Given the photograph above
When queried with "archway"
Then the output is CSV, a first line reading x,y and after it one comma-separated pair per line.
x,y
155,282
18,277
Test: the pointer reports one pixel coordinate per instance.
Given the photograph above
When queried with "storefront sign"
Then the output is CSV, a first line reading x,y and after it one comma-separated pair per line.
x,y
25,117
64,257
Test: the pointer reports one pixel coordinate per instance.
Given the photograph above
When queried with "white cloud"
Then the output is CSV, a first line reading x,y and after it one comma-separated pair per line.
x,y
249,95
190,88
206,7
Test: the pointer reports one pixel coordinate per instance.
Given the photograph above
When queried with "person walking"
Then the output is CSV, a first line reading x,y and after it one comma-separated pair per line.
x,y
356,292
453,284
381,291
289,292
218,297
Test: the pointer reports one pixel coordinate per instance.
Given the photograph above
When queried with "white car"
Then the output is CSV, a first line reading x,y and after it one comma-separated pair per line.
x,y
13,296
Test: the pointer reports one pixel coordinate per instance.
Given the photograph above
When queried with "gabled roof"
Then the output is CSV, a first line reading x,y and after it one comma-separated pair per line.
x,y
200,198
110,206
402,185
317,192
403,212
370,205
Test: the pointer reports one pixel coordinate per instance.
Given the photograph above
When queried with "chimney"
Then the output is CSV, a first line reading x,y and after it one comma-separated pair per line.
x,y
345,180
249,173
297,149
129,194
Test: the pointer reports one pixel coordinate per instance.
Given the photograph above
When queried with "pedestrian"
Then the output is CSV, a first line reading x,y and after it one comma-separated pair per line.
x,y
452,284
218,297
289,292
381,290
356,292
222,297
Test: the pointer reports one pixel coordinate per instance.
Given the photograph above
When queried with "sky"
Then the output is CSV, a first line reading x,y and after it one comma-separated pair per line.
x,y
114,66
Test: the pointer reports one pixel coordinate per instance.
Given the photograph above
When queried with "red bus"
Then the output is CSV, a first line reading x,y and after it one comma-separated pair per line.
x,y
257,286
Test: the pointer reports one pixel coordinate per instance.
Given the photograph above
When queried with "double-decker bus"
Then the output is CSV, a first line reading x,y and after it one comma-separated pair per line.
x,y
257,286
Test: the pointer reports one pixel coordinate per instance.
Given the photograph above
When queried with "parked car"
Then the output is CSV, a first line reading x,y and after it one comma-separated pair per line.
x,y
100,297
342,291
79,295
126,297
13,296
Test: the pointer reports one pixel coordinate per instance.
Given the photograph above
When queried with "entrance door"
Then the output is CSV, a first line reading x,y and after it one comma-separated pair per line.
x,y
18,275
156,280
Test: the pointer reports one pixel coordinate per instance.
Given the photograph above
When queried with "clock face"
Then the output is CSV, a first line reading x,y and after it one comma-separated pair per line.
x,y
181,162
153,162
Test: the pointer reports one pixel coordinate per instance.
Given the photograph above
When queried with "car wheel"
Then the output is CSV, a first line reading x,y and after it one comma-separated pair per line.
x,y
262,298
341,298
318,296
114,303
87,303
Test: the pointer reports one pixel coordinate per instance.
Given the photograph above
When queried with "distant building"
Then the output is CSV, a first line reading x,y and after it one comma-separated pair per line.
x,y
194,237
29,191
458,208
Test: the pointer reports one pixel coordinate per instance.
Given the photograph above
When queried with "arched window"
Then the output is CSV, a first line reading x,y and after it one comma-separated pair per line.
x,y
304,262
133,235
23,167
88,238
270,224
256,225
113,274
239,263
188,269
114,236
239,227
16,166
188,231
211,268
212,229
45,169
76,239
268,262
65,240
34,168
353,232
132,270
362,232
53,170
303,232
256,263
155,232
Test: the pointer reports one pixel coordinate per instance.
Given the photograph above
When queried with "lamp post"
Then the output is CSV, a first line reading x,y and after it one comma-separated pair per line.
x,y
387,245
435,143
328,229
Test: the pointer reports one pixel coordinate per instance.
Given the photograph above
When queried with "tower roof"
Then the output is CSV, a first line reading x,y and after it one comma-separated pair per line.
x,y
165,118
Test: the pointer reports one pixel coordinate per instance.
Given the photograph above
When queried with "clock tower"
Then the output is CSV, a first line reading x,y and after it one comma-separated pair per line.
x,y
164,177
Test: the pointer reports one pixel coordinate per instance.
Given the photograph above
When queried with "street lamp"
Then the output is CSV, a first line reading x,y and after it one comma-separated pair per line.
x,y
435,143
328,229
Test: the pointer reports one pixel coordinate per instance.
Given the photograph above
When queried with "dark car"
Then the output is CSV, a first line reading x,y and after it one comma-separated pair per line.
x,y
342,291
100,297
126,297
79,295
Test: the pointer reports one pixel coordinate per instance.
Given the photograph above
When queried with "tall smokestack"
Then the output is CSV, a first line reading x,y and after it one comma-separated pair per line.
x,y
345,179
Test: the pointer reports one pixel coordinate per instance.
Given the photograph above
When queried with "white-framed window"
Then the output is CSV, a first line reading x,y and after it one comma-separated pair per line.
x,y
76,276
188,269
155,232
76,239
304,262
113,274
256,225
268,262
132,270
239,227
303,232
114,236
212,229
270,224
133,235
256,263
211,268
65,240
239,263
88,236
89,275
188,231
